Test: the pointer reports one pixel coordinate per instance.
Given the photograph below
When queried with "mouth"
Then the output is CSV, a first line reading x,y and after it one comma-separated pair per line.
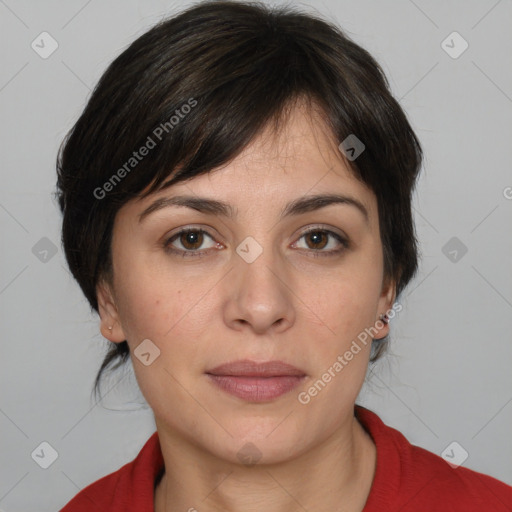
x,y
248,368
256,382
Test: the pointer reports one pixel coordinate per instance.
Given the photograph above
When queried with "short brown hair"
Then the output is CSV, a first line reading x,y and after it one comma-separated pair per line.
x,y
242,64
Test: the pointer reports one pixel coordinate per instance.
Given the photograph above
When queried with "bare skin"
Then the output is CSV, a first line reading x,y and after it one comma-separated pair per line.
x,y
288,305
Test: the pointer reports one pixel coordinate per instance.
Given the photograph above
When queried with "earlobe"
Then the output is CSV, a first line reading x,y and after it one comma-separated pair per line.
x,y
110,325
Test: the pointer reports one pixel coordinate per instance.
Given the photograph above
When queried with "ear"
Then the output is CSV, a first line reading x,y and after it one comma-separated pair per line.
x,y
109,315
386,301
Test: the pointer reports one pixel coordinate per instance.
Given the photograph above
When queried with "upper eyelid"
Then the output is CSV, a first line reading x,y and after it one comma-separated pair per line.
x,y
190,228
205,229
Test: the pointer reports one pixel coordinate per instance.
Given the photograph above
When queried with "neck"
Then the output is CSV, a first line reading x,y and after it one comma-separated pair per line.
x,y
336,475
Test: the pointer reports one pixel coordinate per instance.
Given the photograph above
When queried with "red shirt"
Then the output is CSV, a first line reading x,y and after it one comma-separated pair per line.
x,y
407,479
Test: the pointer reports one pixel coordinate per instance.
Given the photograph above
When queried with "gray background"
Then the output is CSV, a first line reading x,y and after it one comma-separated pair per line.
x,y
448,375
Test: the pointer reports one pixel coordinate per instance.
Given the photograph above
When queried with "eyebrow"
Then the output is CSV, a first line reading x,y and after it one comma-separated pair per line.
x,y
214,207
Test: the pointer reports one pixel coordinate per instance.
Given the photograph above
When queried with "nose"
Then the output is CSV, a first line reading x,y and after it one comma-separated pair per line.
x,y
258,296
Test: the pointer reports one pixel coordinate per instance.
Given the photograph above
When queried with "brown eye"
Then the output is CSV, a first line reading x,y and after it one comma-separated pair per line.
x,y
322,242
187,242
319,239
191,240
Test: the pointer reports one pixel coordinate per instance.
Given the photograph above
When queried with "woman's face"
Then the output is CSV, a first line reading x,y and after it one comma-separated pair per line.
x,y
254,286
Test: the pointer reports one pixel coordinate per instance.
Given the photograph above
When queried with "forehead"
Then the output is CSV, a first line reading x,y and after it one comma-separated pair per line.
x,y
299,159
303,141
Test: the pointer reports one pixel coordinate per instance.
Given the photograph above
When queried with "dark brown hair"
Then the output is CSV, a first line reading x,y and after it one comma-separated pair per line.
x,y
208,81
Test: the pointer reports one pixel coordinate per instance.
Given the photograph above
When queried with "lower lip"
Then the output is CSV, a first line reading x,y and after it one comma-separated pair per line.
x,y
256,389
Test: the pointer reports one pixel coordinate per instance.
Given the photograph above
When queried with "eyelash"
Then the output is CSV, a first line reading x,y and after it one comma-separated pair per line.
x,y
199,254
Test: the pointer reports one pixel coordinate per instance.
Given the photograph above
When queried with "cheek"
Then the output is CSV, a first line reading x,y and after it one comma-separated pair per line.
x,y
166,307
147,293
149,309
348,303
175,322
141,306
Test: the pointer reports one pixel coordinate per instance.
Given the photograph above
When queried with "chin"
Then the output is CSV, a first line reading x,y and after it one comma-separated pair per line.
x,y
262,440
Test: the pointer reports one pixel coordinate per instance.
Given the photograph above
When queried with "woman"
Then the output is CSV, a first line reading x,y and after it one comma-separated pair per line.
x,y
237,208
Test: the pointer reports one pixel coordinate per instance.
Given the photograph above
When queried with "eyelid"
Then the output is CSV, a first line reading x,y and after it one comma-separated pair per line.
x,y
326,228
193,226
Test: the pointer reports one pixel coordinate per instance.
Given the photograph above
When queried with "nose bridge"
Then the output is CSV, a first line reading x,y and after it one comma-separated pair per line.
x,y
257,264
260,295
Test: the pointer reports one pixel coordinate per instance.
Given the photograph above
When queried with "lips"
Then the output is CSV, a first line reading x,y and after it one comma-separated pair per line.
x,y
247,368
256,382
